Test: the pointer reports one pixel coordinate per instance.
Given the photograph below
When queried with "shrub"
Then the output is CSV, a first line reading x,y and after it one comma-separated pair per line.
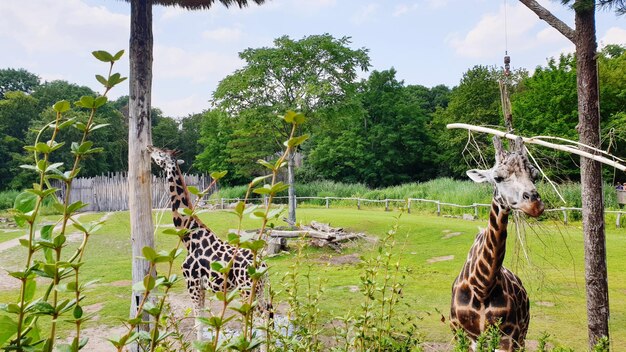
x,y
7,198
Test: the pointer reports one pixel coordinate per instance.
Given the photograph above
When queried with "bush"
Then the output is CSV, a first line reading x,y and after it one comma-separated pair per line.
x,y
7,198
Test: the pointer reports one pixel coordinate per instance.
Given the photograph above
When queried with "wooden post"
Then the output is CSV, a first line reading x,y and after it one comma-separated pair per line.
x,y
327,203
386,204
222,203
408,206
618,220
476,210
438,208
358,203
139,137
564,215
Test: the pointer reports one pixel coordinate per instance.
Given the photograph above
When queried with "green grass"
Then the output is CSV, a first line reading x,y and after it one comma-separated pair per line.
x,y
553,273
9,234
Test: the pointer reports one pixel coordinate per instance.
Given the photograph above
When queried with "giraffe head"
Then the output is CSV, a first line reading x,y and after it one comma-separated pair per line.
x,y
165,159
513,177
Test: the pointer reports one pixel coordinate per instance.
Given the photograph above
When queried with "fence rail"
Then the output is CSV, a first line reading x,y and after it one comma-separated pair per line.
x,y
222,203
110,193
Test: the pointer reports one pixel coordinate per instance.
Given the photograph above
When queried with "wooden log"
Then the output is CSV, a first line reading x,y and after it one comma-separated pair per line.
x,y
325,227
304,233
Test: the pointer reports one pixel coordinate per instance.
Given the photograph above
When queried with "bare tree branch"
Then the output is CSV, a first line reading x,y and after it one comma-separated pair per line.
x,y
550,19
536,140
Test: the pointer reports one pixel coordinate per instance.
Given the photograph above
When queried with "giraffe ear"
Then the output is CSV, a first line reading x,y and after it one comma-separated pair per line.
x,y
479,176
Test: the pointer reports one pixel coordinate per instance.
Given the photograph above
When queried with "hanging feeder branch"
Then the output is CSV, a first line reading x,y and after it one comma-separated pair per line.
x,y
536,140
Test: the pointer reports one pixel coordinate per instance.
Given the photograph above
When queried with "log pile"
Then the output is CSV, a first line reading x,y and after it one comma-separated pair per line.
x,y
318,234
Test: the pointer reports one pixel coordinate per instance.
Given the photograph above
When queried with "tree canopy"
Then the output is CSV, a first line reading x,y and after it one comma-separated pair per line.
x,y
380,132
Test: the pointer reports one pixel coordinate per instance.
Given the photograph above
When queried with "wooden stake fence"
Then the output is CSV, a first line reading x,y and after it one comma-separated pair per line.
x,y
110,192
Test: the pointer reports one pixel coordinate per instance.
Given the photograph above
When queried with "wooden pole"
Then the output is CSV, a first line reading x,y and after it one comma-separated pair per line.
x,y
139,137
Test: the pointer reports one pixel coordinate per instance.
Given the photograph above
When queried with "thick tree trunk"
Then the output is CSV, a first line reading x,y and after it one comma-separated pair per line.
x,y
591,173
291,165
139,137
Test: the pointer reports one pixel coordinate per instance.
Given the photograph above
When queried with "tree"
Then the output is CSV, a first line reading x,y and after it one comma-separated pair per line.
x,y
235,144
396,131
379,136
17,80
189,140
301,75
166,134
475,100
139,131
50,92
545,104
584,38
17,110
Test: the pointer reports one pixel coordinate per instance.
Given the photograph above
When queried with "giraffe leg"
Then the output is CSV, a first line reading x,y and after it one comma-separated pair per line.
x,y
196,291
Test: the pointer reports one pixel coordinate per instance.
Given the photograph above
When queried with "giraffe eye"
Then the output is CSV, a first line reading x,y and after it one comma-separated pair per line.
x,y
498,179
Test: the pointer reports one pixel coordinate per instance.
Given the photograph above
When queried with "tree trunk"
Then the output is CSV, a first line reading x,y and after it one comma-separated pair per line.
x,y
139,137
291,165
584,37
591,173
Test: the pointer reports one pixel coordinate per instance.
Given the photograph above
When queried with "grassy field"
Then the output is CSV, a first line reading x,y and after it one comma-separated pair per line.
x,y
546,255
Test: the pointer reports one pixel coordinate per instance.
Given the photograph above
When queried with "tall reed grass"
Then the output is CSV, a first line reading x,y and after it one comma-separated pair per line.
x,y
445,190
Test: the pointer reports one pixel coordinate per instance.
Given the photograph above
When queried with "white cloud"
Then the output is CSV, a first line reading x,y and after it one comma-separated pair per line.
x,y
614,35
58,26
171,12
314,5
365,13
182,107
437,4
203,66
223,34
403,9
489,37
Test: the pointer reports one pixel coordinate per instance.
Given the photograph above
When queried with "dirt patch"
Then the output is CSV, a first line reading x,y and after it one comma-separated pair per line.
x,y
120,283
545,304
451,234
341,260
94,308
437,347
440,259
353,288
98,338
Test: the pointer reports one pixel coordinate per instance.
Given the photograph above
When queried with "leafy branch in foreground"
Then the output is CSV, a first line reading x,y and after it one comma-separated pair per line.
x,y
61,299
249,339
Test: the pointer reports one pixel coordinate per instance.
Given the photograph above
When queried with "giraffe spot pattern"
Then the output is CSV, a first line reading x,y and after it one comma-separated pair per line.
x,y
204,247
486,293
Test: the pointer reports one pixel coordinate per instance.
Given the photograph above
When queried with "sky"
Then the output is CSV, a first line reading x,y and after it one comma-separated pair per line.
x,y
428,42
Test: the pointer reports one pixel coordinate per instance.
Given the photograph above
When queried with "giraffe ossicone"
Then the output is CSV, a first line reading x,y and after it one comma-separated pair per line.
x,y
486,293
205,247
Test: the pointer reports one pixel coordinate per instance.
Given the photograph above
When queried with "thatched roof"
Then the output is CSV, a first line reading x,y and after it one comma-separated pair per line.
x,y
202,4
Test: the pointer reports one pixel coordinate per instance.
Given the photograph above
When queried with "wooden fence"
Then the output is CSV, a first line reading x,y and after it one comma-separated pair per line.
x,y
406,204
110,192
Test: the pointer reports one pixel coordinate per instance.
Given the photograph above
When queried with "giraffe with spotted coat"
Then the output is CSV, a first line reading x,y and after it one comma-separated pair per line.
x,y
205,247
485,292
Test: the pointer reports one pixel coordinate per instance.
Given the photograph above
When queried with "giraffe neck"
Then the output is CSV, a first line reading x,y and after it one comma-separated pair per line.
x,y
487,254
179,196
180,199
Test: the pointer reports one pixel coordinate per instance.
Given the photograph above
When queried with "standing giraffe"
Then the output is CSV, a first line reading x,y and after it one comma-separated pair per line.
x,y
485,292
204,247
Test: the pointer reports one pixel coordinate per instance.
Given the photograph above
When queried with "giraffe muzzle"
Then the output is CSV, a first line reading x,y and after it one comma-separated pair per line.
x,y
533,208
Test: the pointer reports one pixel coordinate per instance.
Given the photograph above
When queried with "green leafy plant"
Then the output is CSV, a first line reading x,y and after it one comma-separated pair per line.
x,y
46,246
